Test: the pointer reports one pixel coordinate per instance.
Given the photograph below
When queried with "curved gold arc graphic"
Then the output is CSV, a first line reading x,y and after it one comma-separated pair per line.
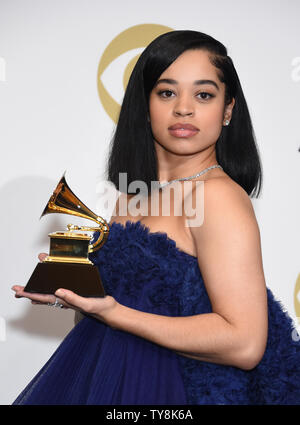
x,y
111,107
297,297
132,38
128,70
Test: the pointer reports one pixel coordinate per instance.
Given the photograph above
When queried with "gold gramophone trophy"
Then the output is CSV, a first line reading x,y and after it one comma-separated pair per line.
x,y
68,266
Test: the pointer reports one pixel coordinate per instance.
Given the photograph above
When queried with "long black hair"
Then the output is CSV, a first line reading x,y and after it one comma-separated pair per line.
x,y
132,148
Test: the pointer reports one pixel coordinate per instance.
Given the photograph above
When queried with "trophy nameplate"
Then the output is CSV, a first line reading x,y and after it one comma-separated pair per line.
x,y
67,265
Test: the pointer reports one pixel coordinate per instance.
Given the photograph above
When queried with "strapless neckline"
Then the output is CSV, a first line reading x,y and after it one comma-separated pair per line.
x,y
147,232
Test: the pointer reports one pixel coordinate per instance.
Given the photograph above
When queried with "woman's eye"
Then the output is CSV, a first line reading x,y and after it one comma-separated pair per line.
x,y
165,93
205,96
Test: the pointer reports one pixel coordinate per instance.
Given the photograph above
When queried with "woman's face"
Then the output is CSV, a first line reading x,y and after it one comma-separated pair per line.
x,y
186,105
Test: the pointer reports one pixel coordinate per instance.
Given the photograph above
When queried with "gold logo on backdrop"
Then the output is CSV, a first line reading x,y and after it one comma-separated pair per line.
x,y
297,297
132,38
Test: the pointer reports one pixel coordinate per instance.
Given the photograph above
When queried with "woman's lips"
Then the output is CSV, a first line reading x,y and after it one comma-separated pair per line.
x,y
183,130
183,133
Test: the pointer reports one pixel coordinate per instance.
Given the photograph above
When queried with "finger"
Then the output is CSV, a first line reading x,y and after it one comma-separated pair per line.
x,y
73,300
42,298
34,296
17,288
42,256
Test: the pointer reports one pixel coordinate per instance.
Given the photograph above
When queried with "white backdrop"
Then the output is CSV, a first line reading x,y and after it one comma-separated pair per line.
x,y
52,120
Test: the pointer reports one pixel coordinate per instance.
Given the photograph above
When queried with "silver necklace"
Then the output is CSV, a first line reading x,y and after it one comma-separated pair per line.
x,y
163,184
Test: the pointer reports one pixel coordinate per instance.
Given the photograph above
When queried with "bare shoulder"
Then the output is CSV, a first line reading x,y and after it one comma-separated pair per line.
x,y
224,190
230,233
229,219
225,203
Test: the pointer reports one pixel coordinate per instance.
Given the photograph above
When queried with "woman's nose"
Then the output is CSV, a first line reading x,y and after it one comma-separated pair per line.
x,y
183,107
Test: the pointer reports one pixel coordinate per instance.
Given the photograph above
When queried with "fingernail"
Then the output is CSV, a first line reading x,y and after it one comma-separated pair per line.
x,y
59,292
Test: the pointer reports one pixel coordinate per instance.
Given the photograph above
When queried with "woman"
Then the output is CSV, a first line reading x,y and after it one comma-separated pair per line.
x,y
188,318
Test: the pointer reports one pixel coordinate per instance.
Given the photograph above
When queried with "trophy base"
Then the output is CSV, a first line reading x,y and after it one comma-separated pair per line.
x,y
83,279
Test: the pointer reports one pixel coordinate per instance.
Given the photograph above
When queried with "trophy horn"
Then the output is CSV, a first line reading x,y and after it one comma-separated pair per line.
x,y
64,201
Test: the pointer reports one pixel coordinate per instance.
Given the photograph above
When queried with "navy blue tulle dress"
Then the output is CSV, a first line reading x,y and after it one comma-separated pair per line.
x,y
98,365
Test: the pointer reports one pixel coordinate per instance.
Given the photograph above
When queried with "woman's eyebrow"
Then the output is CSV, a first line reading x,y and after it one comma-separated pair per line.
x,y
197,82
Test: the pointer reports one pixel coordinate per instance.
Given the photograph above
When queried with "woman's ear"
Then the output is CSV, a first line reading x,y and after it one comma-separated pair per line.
x,y
228,112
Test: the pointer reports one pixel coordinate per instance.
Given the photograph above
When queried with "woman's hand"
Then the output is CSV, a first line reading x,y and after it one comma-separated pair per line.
x,y
100,308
